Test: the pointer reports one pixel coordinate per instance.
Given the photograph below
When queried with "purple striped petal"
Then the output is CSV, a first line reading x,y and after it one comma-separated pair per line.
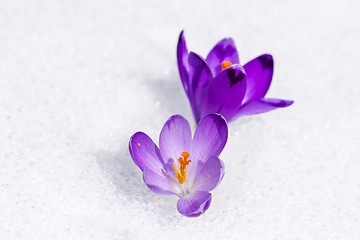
x,y
182,58
224,50
259,74
263,105
210,137
209,174
225,93
194,205
175,138
145,153
160,183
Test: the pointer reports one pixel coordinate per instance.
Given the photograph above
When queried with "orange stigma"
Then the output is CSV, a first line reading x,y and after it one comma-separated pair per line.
x,y
225,65
181,177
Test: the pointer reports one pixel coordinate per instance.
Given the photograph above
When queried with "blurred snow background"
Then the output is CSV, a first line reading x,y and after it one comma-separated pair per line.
x,y
78,78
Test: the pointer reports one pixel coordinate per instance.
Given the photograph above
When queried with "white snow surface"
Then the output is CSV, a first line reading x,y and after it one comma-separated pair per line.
x,y
78,78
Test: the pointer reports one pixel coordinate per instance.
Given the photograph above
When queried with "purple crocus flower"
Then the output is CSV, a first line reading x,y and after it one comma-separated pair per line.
x,y
219,84
184,166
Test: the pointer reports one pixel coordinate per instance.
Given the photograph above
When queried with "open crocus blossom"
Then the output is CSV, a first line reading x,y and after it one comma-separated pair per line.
x,y
184,166
219,84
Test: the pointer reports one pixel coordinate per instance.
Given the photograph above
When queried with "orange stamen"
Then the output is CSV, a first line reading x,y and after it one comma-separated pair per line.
x,y
225,65
181,177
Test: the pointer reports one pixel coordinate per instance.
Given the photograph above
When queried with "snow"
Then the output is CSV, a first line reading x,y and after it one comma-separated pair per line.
x,y
78,78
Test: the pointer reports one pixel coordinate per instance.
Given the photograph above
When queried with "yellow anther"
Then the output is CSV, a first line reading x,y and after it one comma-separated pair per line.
x,y
181,177
138,144
225,65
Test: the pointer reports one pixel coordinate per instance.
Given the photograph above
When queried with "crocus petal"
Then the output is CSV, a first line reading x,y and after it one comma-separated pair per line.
x,y
210,137
225,92
263,105
200,77
145,153
160,183
224,50
259,72
175,138
208,175
182,58
194,205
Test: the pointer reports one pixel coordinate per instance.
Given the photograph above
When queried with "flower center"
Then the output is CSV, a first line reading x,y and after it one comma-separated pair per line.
x,y
181,177
225,65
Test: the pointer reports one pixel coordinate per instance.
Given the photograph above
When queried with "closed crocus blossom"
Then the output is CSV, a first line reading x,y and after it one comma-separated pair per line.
x,y
219,84
183,166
